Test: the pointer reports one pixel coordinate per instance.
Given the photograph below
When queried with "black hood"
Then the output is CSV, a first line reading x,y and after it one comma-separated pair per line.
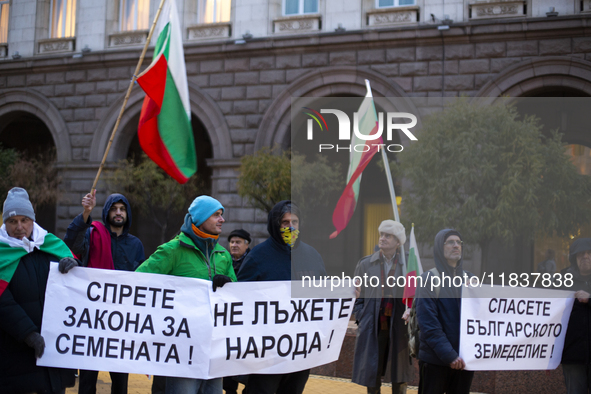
x,y
273,224
440,261
580,245
112,199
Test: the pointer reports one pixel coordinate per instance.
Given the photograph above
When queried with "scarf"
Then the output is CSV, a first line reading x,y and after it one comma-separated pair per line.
x,y
387,303
99,253
13,249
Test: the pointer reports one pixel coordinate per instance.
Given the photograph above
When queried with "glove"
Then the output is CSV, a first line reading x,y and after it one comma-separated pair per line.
x,y
67,263
220,281
36,341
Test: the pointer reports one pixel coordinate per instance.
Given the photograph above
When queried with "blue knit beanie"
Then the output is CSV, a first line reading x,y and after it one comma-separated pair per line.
x,y
202,208
17,203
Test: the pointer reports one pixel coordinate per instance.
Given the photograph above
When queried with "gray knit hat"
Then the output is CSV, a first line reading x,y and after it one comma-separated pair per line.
x,y
17,203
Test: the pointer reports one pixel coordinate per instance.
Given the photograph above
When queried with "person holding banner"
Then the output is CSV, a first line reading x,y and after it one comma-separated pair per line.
x,y
438,312
195,253
106,245
26,250
283,256
576,356
381,347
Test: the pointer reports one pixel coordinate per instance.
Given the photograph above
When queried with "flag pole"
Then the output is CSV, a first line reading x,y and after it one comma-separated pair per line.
x,y
133,79
392,193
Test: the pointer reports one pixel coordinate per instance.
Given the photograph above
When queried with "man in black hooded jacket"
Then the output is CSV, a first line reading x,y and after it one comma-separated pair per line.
x,y
576,356
281,257
92,242
441,367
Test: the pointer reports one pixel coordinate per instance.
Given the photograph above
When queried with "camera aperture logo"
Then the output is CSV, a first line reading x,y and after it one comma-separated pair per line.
x,y
365,129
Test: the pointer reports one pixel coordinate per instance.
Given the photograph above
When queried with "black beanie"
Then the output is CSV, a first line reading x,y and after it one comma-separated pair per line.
x,y
240,233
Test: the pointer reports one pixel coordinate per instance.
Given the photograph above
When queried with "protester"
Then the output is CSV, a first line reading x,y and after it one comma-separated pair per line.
x,y
272,261
382,338
576,356
106,245
239,242
195,253
26,250
438,312
548,266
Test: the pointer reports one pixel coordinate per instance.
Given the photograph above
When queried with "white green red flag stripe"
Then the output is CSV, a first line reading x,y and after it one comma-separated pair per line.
x,y
164,130
368,125
13,249
413,268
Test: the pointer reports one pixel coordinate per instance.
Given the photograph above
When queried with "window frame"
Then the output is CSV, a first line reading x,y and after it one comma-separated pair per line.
x,y
395,5
135,16
7,2
300,8
202,11
51,19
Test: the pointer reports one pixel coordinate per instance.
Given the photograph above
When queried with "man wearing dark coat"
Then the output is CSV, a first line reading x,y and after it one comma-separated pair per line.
x,y
26,250
281,257
239,247
106,245
381,347
441,367
576,356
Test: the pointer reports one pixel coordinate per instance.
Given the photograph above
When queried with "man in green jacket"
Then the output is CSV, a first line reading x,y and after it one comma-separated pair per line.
x,y
195,253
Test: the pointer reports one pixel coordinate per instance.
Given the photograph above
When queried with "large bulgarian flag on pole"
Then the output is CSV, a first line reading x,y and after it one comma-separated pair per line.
x,y
164,130
414,268
368,125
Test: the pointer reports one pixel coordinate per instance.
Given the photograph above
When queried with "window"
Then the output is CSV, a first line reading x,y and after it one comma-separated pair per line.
x,y
296,7
581,157
135,14
62,18
4,21
215,11
393,3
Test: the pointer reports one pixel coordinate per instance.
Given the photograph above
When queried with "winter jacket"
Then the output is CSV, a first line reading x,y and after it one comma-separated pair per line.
x,y
439,317
190,256
21,311
367,315
577,342
274,260
238,263
126,249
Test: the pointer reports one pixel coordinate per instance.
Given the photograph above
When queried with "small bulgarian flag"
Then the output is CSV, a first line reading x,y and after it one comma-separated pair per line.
x,y
368,125
413,268
164,130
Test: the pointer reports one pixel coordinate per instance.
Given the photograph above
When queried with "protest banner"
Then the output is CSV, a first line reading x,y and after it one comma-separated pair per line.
x,y
513,328
259,328
126,322
173,326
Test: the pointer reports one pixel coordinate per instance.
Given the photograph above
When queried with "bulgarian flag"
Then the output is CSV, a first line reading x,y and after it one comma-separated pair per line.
x,y
164,130
413,268
368,125
13,249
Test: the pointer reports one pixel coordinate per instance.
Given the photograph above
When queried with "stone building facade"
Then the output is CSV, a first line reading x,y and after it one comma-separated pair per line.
x,y
241,87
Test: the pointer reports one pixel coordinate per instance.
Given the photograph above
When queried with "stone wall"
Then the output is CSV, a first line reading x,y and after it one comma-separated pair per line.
x,y
241,92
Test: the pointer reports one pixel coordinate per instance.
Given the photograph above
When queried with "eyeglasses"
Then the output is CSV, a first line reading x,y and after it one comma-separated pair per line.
x,y
453,242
